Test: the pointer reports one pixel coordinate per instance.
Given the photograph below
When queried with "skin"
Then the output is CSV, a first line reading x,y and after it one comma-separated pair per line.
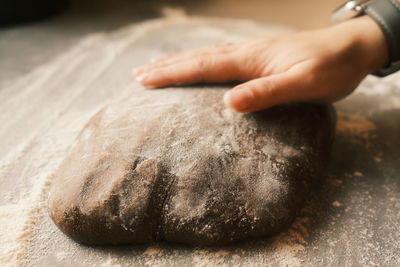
x,y
322,65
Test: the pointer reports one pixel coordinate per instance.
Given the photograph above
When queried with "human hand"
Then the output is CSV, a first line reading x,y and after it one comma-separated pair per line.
x,y
317,66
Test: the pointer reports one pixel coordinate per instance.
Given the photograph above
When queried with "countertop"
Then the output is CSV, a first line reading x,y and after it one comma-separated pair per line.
x,y
57,73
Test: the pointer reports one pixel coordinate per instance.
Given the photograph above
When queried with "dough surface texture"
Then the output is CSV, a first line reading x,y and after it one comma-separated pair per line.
x,y
176,165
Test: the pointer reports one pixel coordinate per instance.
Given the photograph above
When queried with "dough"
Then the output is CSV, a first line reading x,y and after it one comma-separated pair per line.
x,y
176,165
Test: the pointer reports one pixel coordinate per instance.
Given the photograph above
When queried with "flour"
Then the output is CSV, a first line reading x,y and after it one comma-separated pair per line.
x,y
153,251
56,104
18,220
355,125
58,101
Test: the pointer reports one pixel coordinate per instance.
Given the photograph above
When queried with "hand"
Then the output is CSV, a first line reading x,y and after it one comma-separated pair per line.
x,y
316,66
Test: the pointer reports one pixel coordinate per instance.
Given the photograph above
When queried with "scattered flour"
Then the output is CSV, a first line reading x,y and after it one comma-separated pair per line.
x,y
26,170
58,98
336,204
290,243
354,125
153,251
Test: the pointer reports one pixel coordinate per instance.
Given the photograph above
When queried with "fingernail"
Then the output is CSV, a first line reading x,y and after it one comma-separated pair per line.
x,y
142,77
136,71
239,99
140,70
145,80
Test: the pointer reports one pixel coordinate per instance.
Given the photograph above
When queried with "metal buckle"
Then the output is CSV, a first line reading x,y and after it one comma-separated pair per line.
x,y
348,10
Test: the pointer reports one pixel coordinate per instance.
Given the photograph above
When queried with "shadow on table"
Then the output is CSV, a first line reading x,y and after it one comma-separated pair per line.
x,y
108,13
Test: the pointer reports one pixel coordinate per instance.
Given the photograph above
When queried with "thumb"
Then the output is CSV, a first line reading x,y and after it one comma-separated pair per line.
x,y
266,92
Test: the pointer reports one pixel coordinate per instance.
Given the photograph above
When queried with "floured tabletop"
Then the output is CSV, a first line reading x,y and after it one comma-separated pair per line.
x,y
352,219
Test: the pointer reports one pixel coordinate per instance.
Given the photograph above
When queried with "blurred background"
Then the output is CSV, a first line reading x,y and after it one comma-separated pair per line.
x,y
300,14
33,31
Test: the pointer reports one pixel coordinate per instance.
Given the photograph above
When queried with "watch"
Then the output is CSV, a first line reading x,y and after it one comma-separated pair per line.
x,y
386,13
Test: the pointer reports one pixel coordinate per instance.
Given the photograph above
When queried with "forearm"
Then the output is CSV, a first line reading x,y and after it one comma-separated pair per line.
x,y
364,40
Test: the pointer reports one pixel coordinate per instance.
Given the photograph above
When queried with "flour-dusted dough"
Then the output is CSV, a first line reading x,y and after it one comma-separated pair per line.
x,y
176,165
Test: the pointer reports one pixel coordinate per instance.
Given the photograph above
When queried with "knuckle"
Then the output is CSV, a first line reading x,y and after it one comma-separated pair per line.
x,y
201,65
270,88
202,62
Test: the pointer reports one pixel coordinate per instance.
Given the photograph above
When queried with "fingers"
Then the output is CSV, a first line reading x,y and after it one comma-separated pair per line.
x,y
174,58
204,68
266,92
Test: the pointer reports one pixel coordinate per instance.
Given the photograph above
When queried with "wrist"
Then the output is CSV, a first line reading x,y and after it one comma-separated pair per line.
x,y
364,41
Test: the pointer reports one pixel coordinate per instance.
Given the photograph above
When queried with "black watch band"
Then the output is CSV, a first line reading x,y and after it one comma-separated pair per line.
x,y
387,14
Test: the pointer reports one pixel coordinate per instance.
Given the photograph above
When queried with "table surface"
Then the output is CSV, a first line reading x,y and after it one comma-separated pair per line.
x,y
55,74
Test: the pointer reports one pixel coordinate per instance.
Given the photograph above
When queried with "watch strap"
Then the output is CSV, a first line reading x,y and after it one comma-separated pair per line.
x,y
387,14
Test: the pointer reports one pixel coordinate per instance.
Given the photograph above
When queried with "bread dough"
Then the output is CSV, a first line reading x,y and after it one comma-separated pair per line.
x,y
176,165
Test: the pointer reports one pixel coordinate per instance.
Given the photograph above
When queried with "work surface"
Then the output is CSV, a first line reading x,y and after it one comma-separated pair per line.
x,y
351,219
